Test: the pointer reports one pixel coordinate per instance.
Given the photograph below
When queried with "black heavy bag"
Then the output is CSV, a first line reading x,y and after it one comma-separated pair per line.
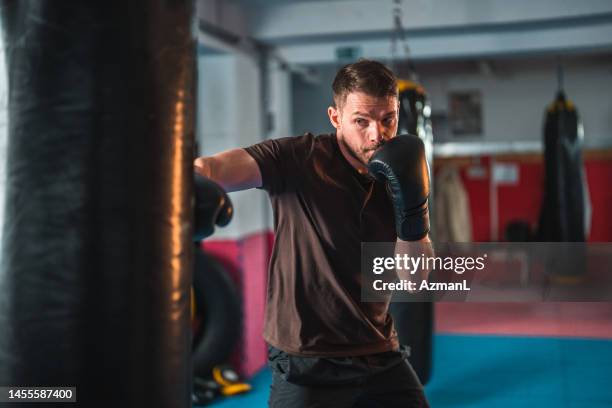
x,y
414,112
414,321
96,252
562,218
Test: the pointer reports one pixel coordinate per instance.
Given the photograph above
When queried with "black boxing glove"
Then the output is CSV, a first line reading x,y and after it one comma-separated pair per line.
x,y
212,207
402,164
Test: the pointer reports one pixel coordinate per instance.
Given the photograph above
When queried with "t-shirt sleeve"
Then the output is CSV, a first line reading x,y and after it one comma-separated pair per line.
x,y
278,161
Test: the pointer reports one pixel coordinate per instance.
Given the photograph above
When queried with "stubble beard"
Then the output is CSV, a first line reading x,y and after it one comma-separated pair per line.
x,y
361,158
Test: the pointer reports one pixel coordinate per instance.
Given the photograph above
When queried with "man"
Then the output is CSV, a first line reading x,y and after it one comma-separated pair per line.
x,y
326,347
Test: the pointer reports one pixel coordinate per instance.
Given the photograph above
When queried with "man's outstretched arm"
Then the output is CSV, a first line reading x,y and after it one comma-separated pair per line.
x,y
233,170
216,175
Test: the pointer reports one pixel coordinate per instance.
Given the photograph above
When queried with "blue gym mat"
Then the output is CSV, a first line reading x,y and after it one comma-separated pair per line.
x,y
500,371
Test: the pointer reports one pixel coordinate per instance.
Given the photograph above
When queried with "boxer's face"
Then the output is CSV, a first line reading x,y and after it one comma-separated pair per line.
x,y
363,123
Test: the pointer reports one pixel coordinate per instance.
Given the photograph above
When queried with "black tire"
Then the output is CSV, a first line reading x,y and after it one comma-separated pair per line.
x,y
219,308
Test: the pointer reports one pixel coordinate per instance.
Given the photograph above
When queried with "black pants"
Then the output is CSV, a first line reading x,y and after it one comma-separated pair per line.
x,y
375,381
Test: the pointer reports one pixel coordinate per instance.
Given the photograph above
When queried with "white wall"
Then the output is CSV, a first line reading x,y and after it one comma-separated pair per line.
x,y
310,102
514,97
229,115
279,100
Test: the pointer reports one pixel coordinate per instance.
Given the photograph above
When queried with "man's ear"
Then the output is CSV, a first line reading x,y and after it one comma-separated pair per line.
x,y
334,116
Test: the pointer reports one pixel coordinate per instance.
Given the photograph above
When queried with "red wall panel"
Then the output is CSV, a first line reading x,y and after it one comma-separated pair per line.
x,y
522,201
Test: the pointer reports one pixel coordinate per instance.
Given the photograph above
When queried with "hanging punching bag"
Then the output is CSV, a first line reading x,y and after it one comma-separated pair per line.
x,y
562,218
415,116
96,253
414,321
413,100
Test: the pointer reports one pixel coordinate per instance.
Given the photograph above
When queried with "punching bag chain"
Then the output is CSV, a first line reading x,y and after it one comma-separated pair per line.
x,y
398,35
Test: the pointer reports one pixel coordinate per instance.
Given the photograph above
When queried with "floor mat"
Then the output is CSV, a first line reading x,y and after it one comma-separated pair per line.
x,y
501,371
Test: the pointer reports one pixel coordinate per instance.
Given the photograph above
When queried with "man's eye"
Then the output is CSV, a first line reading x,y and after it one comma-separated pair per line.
x,y
361,122
388,121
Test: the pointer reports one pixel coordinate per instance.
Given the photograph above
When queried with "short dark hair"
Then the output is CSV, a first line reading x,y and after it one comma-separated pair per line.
x,y
368,76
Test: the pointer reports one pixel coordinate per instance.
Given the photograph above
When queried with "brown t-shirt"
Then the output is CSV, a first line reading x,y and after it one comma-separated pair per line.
x,y
323,210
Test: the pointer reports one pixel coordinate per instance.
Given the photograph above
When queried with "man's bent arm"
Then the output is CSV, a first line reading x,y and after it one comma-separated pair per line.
x,y
233,169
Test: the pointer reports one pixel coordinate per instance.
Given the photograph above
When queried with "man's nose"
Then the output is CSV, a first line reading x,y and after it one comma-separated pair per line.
x,y
377,133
